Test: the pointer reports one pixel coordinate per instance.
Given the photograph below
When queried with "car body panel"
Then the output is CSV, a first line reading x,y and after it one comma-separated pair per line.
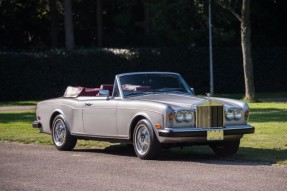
x,y
115,116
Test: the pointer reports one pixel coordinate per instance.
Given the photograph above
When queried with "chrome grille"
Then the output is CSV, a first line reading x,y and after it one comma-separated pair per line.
x,y
209,116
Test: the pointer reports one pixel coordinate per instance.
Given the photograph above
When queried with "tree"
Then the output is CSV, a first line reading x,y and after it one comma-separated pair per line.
x,y
54,23
69,29
99,23
245,29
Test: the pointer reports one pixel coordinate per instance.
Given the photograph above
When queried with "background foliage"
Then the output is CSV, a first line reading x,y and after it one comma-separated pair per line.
x,y
139,23
46,74
151,35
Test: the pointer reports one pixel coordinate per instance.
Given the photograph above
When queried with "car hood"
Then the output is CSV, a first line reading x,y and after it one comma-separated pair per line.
x,y
179,100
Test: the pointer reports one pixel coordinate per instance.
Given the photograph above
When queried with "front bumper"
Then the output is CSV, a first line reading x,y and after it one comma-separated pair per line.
x,y
36,124
202,132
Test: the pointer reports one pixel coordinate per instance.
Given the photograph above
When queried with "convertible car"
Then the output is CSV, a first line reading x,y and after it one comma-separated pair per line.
x,y
149,110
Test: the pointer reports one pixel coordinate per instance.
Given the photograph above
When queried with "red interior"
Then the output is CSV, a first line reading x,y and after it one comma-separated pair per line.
x,y
95,91
89,92
83,91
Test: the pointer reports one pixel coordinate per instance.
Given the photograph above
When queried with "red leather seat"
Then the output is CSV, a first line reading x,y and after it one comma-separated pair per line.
x,y
89,92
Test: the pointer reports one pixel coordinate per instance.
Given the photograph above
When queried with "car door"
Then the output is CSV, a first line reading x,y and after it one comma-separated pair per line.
x,y
99,117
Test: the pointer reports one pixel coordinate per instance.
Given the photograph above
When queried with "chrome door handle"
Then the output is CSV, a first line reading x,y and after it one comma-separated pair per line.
x,y
88,104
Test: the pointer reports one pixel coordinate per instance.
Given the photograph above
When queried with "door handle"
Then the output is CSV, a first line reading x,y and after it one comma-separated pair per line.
x,y
88,104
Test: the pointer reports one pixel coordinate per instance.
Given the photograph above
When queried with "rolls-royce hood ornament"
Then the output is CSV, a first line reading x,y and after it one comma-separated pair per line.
x,y
208,96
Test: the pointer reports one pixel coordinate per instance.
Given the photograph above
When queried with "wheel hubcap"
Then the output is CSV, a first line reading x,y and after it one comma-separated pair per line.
x,y
59,133
142,140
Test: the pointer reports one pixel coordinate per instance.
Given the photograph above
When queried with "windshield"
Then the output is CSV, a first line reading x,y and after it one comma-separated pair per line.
x,y
138,84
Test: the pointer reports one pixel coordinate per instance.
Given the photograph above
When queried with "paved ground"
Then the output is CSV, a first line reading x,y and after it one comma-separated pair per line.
x,y
31,167
18,108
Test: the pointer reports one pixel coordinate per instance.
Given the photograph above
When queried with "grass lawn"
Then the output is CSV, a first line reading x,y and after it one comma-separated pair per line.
x,y
18,103
267,145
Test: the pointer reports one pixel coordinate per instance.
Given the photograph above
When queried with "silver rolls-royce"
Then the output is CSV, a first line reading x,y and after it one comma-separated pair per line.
x,y
148,110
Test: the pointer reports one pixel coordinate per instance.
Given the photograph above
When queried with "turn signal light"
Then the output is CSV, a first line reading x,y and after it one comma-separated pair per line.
x,y
158,126
170,116
246,115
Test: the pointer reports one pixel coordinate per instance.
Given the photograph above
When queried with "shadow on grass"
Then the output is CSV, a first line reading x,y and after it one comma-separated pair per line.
x,y
268,115
23,117
203,154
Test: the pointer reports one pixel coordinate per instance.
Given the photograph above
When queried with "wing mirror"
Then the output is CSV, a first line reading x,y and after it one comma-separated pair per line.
x,y
104,93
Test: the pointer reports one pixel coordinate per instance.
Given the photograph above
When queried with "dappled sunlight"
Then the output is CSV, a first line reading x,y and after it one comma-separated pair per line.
x,y
126,53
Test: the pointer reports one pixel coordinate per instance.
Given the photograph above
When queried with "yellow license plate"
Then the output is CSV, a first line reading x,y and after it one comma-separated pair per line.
x,y
213,135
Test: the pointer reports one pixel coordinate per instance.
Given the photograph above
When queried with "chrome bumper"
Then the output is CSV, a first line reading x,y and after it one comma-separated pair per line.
x,y
202,132
36,124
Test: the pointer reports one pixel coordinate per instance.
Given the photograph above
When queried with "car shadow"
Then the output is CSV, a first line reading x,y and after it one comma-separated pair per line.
x,y
201,154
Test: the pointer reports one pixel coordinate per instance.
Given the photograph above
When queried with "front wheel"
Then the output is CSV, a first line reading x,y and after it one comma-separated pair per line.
x,y
226,148
61,136
146,144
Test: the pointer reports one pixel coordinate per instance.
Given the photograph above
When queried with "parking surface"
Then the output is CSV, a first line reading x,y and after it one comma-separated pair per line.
x,y
32,167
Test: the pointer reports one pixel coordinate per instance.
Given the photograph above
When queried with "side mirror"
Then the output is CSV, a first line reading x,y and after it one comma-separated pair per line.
x,y
104,93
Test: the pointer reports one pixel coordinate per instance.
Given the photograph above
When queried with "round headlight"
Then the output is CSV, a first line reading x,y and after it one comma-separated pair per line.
x,y
188,116
179,117
229,114
237,114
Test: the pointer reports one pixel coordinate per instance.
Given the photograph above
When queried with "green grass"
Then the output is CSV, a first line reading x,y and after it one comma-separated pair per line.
x,y
18,103
259,96
268,144
15,126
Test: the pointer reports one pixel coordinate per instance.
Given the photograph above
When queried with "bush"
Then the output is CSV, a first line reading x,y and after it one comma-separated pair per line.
x,y
42,75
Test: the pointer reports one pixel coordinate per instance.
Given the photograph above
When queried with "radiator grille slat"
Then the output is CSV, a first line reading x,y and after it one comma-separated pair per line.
x,y
209,116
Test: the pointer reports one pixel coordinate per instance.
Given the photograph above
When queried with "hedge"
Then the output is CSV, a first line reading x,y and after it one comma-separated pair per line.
x,y
42,75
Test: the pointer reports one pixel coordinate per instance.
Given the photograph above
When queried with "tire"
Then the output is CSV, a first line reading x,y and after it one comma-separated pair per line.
x,y
146,144
226,148
61,136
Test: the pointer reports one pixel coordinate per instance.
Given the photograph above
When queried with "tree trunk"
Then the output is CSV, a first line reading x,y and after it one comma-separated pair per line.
x,y
99,24
54,23
146,17
69,29
246,52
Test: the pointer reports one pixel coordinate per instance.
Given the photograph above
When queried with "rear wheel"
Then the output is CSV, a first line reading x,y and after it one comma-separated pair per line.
x,y
61,136
226,148
146,144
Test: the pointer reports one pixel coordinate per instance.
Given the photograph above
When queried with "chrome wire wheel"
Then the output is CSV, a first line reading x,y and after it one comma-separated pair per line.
x,y
146,144
61,136
143,139
59,132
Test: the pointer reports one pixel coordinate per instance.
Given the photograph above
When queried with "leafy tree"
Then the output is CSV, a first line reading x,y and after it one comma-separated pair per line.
x,y
69,28
245,28
99,23
54,23
176,22
23,24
